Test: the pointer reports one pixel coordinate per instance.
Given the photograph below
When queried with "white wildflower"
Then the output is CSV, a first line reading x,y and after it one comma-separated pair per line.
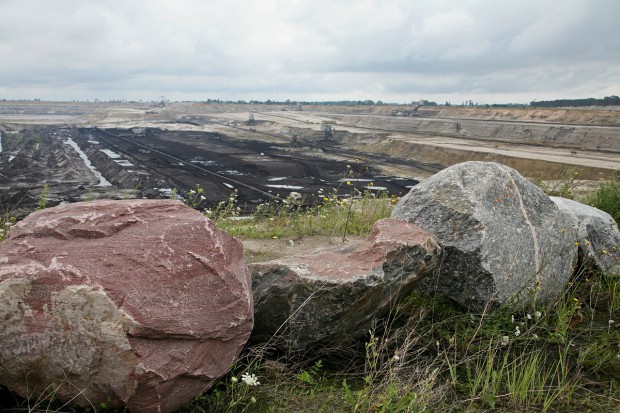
x,y
537,314
191,191
529,317
611,322
505,340
202,197
517,331
250,379
512,319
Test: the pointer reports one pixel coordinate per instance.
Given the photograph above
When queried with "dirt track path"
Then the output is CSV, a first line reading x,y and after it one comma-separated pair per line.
x,y
560,155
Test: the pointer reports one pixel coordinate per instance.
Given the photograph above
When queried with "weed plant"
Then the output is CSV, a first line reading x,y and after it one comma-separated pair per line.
x,y
333,215
564,186
6,222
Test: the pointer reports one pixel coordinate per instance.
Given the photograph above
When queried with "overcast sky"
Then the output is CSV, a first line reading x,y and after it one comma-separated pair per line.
x,y
393,50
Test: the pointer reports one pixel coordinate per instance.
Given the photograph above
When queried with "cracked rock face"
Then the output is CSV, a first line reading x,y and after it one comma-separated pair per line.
x,y
504,240
330,297
138,303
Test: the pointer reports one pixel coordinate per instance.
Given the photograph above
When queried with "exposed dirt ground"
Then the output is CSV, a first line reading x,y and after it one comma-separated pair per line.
x,y
145,150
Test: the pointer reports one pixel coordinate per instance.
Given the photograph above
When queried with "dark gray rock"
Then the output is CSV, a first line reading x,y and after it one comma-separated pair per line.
x,y
330,297
598,235
504,240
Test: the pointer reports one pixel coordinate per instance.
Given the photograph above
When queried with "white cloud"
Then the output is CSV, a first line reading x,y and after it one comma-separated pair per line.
x,y
329,49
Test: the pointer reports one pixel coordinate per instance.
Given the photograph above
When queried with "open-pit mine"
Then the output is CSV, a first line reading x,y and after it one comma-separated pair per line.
x,y
66,152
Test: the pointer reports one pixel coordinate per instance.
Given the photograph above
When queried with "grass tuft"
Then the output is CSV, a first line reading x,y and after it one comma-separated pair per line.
x,y
332,216
607,198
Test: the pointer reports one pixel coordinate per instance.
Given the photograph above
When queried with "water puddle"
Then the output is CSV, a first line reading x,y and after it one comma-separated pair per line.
x,y
232,172
206,163
355,180
168,193
285,186
102,180
110,153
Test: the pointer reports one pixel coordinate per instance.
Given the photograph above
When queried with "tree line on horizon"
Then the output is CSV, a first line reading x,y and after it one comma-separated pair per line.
x,y
606,101
612,100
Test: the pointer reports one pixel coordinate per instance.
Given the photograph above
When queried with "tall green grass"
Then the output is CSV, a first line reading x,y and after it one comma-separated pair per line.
x,y
332,216
607,198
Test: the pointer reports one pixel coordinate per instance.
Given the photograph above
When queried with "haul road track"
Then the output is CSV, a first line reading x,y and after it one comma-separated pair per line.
x,y
256,170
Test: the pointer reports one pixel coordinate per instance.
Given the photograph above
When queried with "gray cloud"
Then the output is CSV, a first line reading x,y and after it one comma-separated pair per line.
x,y
391,50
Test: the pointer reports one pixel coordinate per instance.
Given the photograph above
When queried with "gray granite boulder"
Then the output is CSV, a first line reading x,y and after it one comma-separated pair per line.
x,y
142,303
504,240
598,235
330,297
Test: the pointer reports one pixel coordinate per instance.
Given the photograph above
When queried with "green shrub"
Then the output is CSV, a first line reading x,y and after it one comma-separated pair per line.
x,y
607,198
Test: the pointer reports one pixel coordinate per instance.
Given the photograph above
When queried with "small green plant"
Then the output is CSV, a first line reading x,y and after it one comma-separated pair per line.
x,y
564,186
225,210
17,137
43,198
194,197
37,141
312,376
234,393
7,220
174,193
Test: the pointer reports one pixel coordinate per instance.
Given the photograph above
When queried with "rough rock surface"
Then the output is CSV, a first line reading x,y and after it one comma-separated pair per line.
x,y
599,238
504,240
143,303
329,297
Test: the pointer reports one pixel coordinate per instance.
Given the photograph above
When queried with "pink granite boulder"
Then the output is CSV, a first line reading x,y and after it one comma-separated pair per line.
x,y
143,303
330,297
